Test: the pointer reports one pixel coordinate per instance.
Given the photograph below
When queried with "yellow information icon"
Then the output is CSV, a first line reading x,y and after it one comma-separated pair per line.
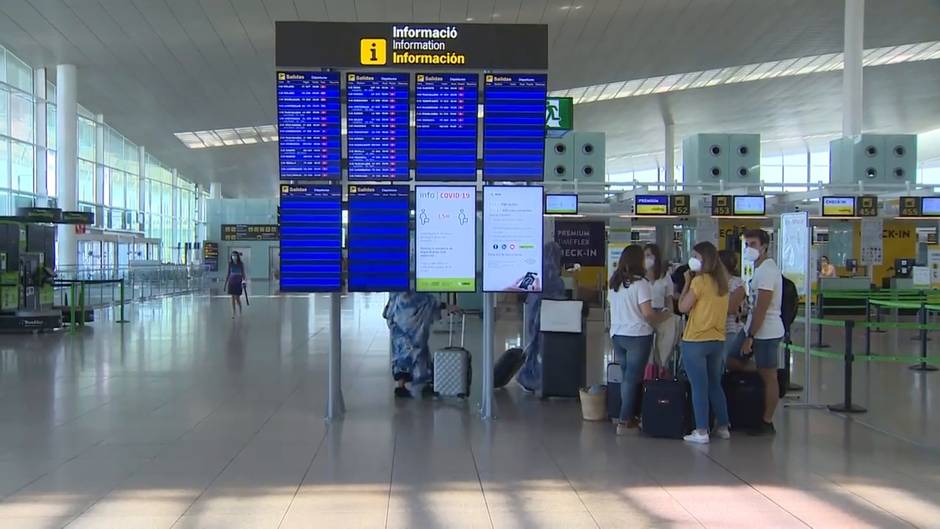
x,y
372,51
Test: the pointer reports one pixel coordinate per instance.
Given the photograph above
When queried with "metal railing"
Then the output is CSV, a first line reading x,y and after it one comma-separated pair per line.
x,y
140,283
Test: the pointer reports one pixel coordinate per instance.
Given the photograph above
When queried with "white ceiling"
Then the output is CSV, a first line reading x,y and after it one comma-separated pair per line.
x,y
154,67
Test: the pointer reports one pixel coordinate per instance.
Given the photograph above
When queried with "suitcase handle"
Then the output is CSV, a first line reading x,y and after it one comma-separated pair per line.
x,y
450,330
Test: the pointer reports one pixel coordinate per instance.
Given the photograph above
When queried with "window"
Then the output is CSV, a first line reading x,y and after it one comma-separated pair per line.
x,y
19,74
50,126
117,189
4,111
86,181
106,186
21,117
132,197
21,154
86,139
4,163
51,184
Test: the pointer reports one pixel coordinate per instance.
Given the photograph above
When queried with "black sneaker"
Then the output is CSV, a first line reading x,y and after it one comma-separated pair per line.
x,y
765,428
402,393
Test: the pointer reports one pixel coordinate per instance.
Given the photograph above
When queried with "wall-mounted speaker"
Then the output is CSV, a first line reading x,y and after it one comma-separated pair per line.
x,y
873,158
559,158
705,158
590,156
744,158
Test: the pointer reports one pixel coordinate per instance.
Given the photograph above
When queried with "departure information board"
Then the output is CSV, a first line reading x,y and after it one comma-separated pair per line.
x,y
311,238
514,126
378,126
446,126
378,239
308,123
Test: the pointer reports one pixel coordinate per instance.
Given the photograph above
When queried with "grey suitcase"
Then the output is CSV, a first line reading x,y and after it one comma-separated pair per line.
x,y
452,365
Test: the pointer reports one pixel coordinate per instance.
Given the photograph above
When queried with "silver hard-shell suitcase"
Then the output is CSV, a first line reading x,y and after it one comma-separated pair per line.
x,y
452,366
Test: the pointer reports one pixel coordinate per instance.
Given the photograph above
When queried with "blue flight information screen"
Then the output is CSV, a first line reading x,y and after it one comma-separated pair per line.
x,y
311,222
514,126
446,126
378,239
378,126
308,124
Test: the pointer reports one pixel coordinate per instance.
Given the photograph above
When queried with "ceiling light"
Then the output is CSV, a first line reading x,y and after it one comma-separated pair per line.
x,y
469,19
828,62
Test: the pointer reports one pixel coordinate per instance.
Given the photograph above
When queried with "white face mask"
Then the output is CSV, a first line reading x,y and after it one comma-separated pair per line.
x,y
649,262
695,264
751,254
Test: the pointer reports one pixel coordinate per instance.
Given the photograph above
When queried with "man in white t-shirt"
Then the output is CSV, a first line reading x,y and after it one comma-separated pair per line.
x,y
764,328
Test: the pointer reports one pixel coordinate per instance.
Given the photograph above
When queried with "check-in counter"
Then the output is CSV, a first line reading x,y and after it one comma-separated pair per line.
x,y
833,304
903,283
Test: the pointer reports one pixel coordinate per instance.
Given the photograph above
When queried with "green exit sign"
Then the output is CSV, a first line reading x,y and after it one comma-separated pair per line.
x,y
559,113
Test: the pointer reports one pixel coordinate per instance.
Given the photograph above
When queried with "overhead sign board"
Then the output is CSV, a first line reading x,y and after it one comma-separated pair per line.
x,y
838,206
250,232
721,206
561,204
512,239
378,241
909,207
445,239
866,206
930,206
651,204
749,206
411,45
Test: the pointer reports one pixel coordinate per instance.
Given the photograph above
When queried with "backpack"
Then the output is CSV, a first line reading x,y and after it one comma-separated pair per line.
x,y
789,304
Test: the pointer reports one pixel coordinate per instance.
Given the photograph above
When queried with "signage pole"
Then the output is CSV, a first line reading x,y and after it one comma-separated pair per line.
x,y
486,400
807,327
335,407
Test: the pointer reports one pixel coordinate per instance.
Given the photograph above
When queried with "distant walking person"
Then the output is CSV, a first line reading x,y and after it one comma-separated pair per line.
x,y
234,281
553,287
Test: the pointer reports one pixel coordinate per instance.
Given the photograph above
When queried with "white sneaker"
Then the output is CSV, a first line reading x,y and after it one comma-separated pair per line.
x,y
722,432
697,438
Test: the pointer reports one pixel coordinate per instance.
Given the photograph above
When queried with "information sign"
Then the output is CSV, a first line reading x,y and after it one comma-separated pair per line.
x,y
250,232
446,126
514,126
838,206
566,204
311,238
377,126
378,240
512,238
445,239
308,122
651,204
909,207
867,206
749,206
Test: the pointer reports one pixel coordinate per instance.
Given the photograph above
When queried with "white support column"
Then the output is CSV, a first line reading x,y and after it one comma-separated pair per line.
x,y
215,190
852,74
66,162
669,160
39,160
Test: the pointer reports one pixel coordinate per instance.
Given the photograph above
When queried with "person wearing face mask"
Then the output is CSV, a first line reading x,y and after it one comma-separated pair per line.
x,y
631,328
234,281
764,329
661,290
705,299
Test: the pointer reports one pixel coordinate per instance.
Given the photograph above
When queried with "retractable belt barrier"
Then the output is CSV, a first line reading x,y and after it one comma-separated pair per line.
x,y
76,302
848,356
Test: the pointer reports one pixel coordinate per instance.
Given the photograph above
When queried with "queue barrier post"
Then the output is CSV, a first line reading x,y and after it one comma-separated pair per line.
x,y
787,360
72,309
122,319
922,320
878,318
846,406
81,304
867,327
819,314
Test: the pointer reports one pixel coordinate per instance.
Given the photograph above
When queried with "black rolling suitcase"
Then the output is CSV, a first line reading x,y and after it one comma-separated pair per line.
x,y
507,366
744,391
667,407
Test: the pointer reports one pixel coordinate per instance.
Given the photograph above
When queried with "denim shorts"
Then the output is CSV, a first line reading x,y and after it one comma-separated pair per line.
x,y
765,352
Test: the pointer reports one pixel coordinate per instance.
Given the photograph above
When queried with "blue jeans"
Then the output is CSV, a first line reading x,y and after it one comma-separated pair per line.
x,y
632,353
704,363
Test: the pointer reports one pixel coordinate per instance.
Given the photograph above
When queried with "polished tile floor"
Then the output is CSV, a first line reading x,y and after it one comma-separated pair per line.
x,y
185,418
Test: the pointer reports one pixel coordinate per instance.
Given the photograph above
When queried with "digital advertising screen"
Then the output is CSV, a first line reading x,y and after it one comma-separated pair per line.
x,y
651,204
311,222
512,238
378,126
445,238
566,204
930,206
308,126
377,238
838,206
749,206
514,126
446,126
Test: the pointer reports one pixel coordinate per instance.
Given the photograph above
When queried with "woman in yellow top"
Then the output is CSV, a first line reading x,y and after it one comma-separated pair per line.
x,y
705,299
826,269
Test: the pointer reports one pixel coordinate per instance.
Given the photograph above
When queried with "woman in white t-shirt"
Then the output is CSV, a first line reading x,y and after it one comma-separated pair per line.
x,y
631,328
737,295
663,292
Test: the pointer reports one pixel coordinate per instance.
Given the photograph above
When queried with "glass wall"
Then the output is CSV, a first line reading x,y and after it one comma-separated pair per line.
x,y
110,182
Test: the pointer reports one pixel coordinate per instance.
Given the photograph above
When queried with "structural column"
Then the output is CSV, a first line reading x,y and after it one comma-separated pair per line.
x,y
215,190
852,73
66,162
669,160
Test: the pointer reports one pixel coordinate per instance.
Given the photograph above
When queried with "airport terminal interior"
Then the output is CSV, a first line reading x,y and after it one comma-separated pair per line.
x,y
504,264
